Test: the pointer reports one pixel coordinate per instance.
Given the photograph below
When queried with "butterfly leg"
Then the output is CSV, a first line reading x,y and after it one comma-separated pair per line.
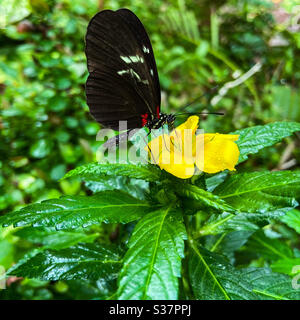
x,y
149,149
115,141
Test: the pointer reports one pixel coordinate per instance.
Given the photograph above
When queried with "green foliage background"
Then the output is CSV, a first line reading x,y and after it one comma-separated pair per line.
x,y
46,129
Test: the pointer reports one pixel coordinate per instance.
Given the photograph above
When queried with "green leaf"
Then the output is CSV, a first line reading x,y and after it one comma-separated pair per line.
x,y
95,171
90,289
84,261
228,243
205,198
152,264
272,249
212,181
40,149
227,222
213,278
261,191
292,219
269,285
135,187
13,11
253,139
288,266
79,211
285,102
50,238
7,251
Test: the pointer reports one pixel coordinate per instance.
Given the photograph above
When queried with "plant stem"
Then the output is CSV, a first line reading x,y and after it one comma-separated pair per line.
x,y
214,29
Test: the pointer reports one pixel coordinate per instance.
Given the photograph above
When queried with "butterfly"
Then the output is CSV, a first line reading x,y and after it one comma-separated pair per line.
x,y
123,83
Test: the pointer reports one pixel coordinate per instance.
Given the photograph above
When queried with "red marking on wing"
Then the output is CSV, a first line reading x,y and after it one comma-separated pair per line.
x,y
158,112
144,119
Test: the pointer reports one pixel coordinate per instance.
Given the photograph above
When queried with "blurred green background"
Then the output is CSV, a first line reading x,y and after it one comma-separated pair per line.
x,y
45,126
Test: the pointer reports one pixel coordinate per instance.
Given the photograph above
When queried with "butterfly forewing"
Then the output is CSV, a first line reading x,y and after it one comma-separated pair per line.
x,y
123,83
142,37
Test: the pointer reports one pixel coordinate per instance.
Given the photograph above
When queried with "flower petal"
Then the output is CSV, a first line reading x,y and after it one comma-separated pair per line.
x,y
220,152
183,136
182,170
168,156
191,123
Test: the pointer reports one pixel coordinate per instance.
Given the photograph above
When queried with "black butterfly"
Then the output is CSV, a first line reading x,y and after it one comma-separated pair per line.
x,y
123,83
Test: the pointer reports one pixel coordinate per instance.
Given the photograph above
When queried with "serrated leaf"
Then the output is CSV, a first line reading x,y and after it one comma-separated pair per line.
x,y
227,222
95,171
268,285
204,197
152,265
83,261
271,249
261,191
227,243
292,219
255,138
91,290
79,211
50,238
213,278
213,181
135,187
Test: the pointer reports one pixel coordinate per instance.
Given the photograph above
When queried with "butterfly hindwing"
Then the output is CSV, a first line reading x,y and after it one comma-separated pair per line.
x,y
123,83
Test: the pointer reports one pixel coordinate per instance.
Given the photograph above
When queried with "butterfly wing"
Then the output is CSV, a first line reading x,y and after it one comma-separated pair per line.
x,y
123,83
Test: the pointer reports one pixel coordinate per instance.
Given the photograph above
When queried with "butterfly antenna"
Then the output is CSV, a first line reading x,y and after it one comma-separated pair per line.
x,y
206,94
200,113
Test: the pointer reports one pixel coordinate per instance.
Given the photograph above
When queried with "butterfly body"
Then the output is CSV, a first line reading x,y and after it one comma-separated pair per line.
x,y
158,122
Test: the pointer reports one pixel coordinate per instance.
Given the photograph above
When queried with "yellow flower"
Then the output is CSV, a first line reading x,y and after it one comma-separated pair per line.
x,y
179,152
